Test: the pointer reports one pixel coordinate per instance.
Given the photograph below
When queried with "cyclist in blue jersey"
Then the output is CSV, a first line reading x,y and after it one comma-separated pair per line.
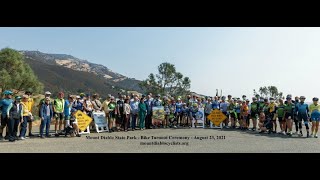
x,y
207,110
67,110
315,116
295,117
4,104
178,113
224,109
77,104
185,115
193,111
302,111
215,103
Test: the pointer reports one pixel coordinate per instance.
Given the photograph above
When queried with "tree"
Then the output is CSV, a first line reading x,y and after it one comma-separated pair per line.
x,y
167,81
270,91
263,91
16,74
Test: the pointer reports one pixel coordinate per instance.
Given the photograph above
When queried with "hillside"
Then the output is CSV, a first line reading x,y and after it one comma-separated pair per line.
x,y
56,78
71,74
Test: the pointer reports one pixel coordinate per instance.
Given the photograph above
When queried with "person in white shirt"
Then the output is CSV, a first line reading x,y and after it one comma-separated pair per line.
x,y
134,112
126,112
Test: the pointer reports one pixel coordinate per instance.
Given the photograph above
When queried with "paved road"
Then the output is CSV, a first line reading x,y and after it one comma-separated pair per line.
x,y
232,141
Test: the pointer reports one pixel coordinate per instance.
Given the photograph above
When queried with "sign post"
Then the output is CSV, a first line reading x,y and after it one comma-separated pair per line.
x,y
216,117
158,115
83,122
100,122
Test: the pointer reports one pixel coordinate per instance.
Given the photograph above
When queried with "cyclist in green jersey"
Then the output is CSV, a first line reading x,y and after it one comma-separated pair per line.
x,y
254,110
261,104
232,112
288,114
280,116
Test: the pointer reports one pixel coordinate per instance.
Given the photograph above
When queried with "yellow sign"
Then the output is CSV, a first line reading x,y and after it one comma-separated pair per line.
x,y
216,117
83,120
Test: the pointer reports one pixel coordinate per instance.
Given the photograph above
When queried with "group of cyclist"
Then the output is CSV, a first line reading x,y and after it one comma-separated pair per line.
x,y
134,112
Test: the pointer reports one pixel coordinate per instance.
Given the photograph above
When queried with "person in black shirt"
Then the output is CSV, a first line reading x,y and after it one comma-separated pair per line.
x,y
119,112
15,117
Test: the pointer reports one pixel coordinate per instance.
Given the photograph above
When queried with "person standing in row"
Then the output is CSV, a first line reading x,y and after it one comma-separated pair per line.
x,y
315,116
142,113
88,109
105,108
119,112
148,118
26,117
178,113
289,114
96,103
272,111
67,110
126,113
280,114
30,118
134,112
4,104
207,111
58,107
88,106
224,109
244,112
254,110
46,114
42,101
302,111
111,109
15,114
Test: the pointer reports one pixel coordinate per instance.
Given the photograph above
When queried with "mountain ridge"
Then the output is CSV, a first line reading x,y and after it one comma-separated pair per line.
x,y
72,65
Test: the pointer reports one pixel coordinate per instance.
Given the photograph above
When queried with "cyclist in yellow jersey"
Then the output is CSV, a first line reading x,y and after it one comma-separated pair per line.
x,y
30,118
315,116
272,111
25,117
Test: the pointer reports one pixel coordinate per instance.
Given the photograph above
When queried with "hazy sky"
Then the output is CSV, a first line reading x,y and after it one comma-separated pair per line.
x,y
236,60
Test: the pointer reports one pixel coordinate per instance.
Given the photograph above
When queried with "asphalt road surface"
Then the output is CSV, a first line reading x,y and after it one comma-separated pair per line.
x,y
167,141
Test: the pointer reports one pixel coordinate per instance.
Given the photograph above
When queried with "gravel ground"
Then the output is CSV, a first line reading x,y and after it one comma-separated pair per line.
x,y
172,141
